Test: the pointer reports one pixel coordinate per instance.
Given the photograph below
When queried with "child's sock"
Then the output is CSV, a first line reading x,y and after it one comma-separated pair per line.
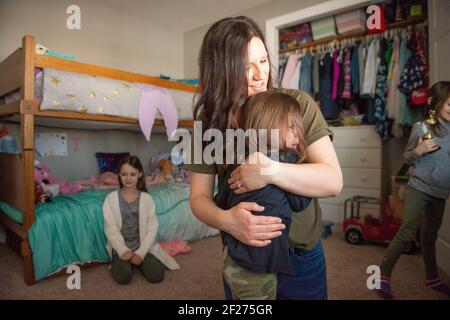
x,y
385,286
438,285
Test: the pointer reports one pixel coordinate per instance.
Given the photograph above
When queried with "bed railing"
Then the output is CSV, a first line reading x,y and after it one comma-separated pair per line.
x,y
11,70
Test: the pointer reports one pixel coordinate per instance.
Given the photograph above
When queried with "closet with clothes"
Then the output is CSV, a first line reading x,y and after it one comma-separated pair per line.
x,y
370,84
360,76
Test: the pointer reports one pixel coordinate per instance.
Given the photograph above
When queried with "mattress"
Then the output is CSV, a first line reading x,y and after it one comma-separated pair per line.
x,y
69,91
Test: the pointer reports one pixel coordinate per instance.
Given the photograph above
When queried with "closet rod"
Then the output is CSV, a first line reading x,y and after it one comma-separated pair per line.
x,y
354,34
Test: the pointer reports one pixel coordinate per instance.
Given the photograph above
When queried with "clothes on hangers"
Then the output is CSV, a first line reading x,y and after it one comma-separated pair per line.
x,y
354,69
305,83
346,93
289,70
371,68
393,100
328,107
381,123
315,74
382,70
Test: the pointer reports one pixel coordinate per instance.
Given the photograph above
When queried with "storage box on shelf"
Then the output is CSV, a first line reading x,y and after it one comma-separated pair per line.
x,y
323,28
354,20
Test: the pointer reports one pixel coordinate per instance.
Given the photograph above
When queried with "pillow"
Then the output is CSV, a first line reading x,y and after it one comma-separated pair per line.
x,y
110,161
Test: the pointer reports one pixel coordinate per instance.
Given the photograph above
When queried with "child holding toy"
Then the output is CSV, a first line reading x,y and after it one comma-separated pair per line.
x,y
131,227
252,272
428,188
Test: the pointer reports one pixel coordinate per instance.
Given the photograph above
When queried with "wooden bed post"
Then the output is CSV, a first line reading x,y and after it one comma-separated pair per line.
x,y
27,137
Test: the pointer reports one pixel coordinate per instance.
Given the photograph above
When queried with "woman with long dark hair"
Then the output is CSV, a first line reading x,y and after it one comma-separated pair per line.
x,y
234,64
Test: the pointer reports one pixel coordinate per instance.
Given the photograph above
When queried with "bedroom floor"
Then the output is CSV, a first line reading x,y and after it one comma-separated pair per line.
x,y
199,277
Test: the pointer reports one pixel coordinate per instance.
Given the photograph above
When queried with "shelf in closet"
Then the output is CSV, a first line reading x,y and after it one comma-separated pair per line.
x,y
356,34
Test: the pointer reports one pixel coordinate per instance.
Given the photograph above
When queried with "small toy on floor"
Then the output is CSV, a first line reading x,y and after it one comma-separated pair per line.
x,y
175,247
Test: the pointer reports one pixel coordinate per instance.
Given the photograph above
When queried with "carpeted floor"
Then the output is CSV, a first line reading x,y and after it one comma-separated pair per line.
x,y
199,277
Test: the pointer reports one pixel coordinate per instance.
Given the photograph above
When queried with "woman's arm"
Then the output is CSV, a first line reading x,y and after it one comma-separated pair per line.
x,y
237,221
320,177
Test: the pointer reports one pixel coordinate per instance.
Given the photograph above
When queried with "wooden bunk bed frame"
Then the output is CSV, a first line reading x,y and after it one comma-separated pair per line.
x,y
17,72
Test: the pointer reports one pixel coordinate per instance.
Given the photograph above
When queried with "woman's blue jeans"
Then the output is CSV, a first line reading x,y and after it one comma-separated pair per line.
x,y
309,281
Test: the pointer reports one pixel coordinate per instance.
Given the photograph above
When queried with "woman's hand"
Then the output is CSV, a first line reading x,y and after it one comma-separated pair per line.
x,y
127,255
425,146
250,229
136,260
255,173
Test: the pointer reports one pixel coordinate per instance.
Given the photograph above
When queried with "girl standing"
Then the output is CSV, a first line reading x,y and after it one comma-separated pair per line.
x,y
428,188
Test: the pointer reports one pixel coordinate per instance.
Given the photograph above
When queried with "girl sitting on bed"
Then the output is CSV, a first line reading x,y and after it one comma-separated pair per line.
x,y
131,227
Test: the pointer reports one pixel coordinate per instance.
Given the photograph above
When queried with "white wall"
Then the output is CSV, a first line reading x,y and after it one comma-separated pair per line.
x,y
275,8
109,35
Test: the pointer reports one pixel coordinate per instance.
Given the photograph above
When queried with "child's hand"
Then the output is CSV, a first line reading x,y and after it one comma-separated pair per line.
x,y
425,146
136,260
127,255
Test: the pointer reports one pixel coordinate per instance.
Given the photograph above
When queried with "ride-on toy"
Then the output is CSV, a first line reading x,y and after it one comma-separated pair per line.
x,y
383,229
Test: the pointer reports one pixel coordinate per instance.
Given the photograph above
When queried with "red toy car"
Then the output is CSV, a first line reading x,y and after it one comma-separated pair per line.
x,y
381,230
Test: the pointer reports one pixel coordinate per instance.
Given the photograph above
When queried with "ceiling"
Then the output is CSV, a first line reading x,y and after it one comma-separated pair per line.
x,y
183,15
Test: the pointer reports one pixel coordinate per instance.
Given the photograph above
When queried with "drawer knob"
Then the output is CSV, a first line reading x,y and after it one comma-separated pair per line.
x,y
363,179
363,159
363,139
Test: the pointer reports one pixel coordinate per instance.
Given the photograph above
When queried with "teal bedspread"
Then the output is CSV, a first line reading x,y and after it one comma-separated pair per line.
x,y
70,228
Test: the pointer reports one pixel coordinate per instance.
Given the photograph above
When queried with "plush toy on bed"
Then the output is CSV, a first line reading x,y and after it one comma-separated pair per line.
x,y
52,184
166,171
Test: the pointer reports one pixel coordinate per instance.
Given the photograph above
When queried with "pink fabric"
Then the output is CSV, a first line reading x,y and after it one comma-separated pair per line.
x,y
348,75
153,99
109,178
336,74
291,68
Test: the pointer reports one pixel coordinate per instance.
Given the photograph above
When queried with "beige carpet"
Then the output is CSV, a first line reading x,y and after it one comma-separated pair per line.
x,y
199,277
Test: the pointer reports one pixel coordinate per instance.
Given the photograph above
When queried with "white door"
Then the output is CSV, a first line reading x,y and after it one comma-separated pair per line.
x,y
439,40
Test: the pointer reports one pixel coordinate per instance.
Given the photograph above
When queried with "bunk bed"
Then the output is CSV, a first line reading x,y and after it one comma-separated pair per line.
x,y
18,190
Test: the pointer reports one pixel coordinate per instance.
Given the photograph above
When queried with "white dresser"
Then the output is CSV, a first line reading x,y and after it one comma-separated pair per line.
x,y
359,150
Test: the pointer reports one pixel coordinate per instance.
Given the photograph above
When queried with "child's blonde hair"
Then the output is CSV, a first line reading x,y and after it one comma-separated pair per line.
x,y
274,110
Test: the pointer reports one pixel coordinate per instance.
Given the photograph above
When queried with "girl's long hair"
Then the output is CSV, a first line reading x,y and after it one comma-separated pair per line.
x,y
439,94
223,80
275,110
135,163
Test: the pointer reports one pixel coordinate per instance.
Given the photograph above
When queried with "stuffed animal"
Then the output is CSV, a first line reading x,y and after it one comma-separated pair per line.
x,y
166,170
39,195
175,247
42,172
40,49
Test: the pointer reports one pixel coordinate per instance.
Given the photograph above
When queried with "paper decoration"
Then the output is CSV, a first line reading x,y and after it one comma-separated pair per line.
x,y
156,99
76,143
51,144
